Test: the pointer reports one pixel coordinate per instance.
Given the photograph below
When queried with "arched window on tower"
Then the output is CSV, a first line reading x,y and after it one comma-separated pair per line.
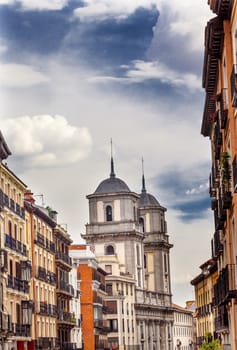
x,y
108,213
109,250
141,222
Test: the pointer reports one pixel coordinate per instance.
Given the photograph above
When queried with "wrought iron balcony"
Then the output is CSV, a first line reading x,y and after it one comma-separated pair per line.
x,y
221,321
68,346
67,317
217,140
5,201
233,84
225,288
234,171
17,284
42,308
20,330
44,242
47,276
64,287
45,343
65,258
15,245
224,108
217,244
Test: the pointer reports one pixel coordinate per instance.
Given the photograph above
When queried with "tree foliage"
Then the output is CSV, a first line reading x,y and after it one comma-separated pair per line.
x,y
210,344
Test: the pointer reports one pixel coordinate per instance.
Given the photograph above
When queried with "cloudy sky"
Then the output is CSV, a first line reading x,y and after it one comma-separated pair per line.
x,y
75,73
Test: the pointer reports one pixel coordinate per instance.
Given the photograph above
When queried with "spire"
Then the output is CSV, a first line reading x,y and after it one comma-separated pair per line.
x,y
143,177
112,173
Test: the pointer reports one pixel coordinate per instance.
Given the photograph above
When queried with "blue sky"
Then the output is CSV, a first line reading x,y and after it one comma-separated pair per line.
x,y
73,74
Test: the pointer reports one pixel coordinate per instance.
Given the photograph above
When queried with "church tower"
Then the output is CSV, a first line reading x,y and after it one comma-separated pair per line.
x,y
128,234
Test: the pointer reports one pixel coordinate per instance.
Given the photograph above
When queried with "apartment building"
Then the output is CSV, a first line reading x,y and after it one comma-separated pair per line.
x,y
39,227
219,123
75,307
65,292
16,297
93,305
205,303
183,331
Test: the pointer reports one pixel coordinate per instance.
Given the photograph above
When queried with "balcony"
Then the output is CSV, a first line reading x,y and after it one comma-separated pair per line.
x,y
67,317
97,299
217,140
222,8
46,276
68,346
217,244
5,201
225,288
226,200
63,258
20,330
42,308
234,171
45,343
64,287
221,321
15,245
17,284
44,242
224,108
233,84
98,323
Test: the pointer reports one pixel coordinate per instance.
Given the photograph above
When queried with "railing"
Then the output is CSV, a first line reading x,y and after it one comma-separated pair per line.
x,y
45,343
217,140
11,204
221,321
225,288
67,317
17,284
217,244
65,287
64,257
233,84
224,108
20,330
234,170
43,308
68,346
15,245
47,276
44,242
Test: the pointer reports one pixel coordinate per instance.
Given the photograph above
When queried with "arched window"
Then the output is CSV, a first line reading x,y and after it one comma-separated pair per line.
x,y
109,250
108,213
141,222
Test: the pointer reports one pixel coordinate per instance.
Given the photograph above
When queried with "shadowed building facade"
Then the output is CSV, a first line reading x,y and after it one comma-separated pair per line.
x,y
129,236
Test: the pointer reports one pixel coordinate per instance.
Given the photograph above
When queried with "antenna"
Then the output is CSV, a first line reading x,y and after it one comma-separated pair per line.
x,y
42,198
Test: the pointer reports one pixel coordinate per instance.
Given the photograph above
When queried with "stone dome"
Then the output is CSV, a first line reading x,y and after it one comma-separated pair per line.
x,y
147,200
111,185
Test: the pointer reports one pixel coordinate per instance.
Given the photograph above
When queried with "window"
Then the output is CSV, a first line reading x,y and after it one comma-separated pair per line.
x,y
109,250
108,213
109,288
141,222
108,269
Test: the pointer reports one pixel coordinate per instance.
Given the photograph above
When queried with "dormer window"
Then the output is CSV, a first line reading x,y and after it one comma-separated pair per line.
x,y
108,213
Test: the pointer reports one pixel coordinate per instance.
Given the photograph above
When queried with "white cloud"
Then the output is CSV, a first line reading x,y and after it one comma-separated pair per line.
x,y
104,9
141,71
45,140
29,5
197,190
20,75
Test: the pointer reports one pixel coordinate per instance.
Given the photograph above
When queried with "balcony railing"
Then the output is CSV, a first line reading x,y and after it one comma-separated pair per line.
x,y
67,317
221,321
234,170
68,346
44,242
233,84
224,108
64,258
222,8
45,343
15,245
43,308
47,276
11,204
17,284
65,287
217,245
20,330
225,288
217,140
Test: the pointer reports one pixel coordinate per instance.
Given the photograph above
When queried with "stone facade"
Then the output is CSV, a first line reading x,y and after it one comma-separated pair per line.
x,y
128,234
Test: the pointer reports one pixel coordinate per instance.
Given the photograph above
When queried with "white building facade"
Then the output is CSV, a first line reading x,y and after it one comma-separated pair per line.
x,y
129,236
183,331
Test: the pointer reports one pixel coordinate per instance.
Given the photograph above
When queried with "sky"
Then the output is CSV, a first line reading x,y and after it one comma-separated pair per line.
x,y
74,74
